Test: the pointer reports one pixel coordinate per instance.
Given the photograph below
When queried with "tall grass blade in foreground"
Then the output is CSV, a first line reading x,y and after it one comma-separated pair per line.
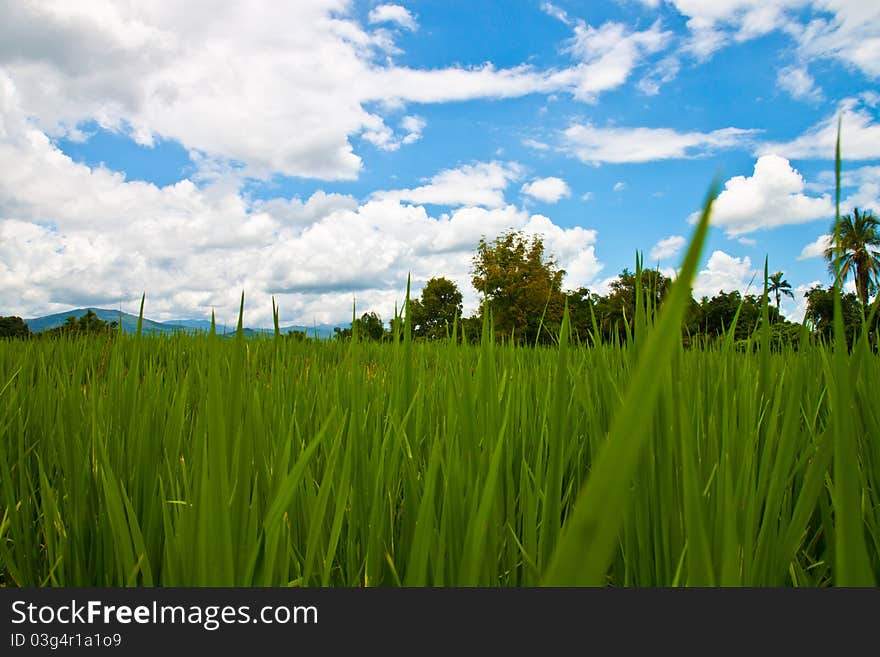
x,y
140,323
239,331
275,319
852,563
587,544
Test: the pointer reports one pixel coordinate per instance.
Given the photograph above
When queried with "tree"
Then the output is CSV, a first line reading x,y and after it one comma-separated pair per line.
x,y
855,249
615,313
714,317
14,327
437,309
369,327
779,286
820,312
520,287
582,310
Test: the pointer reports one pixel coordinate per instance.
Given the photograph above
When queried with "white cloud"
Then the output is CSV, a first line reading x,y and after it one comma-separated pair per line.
x,y
384,138
816,249
296,213
851,35
715,24
400,85
667,248
795,309
393,14
549,190
413,126
379,134
556,12
664,71
535,144
862,186
574,248
846,30
725,273
619,186
859,136
481,183
72,236
603,58
772,196
586,196
593,145
867,195
608,54
278,86
798,83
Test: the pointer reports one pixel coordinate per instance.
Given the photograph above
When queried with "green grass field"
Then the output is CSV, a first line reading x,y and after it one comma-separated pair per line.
x,y
202,461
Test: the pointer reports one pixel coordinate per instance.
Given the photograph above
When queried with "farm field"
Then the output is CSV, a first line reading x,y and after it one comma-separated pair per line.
x,y
198,461
532,411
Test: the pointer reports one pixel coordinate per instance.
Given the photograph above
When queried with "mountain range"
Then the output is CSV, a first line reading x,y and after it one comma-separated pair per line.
x,y
129,324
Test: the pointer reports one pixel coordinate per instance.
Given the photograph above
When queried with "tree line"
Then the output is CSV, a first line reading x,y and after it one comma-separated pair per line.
x,y
520,287
521,290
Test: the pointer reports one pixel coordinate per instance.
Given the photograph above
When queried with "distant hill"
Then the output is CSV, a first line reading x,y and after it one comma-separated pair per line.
x,y
129,324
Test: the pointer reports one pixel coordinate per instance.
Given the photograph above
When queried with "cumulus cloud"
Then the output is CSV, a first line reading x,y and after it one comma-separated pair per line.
x,y
859,136
549,190
394,14
816,249
667,248
71,235
480,184
619,186
772,196
593,145
574,249
724,272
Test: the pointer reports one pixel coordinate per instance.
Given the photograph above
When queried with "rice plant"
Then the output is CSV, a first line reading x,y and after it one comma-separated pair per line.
x,y
199,460
135,460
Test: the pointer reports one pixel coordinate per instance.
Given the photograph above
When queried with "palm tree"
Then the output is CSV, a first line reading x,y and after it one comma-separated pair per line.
x,y
779,286
856,252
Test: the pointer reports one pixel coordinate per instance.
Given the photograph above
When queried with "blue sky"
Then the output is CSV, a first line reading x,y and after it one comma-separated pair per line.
x,y
324,151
